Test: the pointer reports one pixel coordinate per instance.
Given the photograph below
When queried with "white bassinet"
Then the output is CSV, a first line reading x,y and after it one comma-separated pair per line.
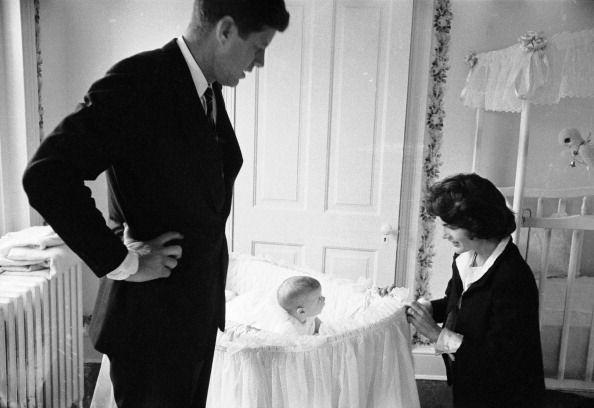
x,y
362,358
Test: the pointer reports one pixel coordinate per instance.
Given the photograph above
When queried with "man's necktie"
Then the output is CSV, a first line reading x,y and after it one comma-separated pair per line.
x,y
209,99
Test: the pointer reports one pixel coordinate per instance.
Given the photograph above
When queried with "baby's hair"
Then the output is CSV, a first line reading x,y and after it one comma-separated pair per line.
x,y
290,291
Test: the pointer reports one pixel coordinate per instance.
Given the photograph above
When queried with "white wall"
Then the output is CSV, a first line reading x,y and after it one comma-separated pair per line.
x,y
80,40
485,25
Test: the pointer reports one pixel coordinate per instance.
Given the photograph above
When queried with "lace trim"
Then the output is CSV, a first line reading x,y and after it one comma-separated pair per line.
x,y
563,69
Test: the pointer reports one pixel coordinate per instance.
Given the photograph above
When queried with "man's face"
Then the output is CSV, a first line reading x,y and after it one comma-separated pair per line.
x,y
238,55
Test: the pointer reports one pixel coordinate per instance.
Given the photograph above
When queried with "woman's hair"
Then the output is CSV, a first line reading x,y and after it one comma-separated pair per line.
x,y
471,202
249,15
289,292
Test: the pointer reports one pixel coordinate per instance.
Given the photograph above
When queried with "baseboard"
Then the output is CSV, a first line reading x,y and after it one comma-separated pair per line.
x,y
571,385
90,354
428,366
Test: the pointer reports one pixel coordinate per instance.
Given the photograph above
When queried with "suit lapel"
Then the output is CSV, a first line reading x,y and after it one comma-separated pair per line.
x,y
196,127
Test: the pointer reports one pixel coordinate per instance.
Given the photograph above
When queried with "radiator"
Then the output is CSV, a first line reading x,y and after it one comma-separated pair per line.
x,y
41,339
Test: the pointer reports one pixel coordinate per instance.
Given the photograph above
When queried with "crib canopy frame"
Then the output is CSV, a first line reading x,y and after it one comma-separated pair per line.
x,y
533,71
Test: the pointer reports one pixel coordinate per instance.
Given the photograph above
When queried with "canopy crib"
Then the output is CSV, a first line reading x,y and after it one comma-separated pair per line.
x,y
513,79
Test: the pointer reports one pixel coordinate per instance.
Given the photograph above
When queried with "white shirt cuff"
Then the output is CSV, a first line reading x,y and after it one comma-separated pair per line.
x,y
448,342
128,267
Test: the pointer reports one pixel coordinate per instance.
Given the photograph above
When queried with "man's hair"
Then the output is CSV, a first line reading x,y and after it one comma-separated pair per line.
x,y
471,202
249,15
290,291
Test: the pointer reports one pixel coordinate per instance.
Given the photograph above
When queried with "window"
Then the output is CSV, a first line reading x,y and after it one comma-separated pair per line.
x,y
19,110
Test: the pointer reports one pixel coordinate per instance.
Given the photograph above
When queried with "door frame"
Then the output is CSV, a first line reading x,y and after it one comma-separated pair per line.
x,y
414,140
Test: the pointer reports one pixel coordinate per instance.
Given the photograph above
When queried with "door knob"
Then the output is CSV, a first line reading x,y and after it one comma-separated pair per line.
x,y
388,229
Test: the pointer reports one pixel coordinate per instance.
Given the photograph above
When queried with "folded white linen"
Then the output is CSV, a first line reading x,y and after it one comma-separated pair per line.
x,y
40,237
29,254
57,258
24,268
5,262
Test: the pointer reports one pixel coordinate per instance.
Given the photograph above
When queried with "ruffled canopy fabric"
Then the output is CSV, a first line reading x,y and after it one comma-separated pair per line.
x,y
501,79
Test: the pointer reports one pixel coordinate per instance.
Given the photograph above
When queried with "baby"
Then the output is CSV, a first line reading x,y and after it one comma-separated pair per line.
x,y
301,299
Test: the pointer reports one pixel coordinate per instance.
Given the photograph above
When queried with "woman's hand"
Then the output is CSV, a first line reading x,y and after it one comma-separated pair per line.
x,y
420,316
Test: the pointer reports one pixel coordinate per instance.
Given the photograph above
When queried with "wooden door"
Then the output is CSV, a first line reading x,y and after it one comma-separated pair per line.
x,y
321,128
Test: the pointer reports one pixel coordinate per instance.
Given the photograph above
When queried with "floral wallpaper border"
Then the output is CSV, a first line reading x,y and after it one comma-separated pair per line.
x,y
442,23
39,63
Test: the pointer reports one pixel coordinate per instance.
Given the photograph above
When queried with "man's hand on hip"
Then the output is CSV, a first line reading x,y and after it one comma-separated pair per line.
x,y
156,259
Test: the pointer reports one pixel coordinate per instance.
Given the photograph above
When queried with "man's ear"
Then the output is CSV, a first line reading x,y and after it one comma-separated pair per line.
x,y
225,29
300,310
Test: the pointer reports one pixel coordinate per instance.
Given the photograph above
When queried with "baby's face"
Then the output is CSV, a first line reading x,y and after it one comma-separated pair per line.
x,y
313,303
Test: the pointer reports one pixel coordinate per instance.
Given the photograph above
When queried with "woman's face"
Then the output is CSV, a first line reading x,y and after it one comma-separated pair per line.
x,y
458,237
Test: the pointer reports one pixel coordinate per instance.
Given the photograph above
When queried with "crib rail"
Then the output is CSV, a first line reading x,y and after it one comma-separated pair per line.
x,y
578,224
571,222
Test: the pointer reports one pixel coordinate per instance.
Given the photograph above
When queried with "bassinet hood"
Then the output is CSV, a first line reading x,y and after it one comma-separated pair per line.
x,y
499,80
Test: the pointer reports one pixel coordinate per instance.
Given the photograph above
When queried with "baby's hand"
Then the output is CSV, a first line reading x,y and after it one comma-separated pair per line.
x,y
383,291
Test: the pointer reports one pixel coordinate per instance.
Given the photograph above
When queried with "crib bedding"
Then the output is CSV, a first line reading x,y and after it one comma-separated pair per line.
x,y
243,329
349,305
362,357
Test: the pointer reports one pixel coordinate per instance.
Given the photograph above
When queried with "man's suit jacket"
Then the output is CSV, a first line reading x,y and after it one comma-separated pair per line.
x,y
144,123
499,363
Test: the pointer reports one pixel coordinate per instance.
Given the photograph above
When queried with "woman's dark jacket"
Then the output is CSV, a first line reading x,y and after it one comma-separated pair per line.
x,y
499,363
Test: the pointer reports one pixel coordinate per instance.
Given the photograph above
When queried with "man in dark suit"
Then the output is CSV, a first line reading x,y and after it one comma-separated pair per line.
x,y
156,122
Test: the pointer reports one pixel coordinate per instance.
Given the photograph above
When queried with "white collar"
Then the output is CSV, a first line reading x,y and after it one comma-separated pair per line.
x,y
197,76
470,275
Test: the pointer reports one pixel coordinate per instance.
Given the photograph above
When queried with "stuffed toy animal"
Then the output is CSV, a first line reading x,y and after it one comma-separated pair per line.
x,y
582,151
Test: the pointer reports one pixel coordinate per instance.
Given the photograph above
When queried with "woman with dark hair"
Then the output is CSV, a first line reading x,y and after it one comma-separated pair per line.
x,y
490,339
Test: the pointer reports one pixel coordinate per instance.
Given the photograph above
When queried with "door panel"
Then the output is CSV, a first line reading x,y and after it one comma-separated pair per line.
x,y
321,128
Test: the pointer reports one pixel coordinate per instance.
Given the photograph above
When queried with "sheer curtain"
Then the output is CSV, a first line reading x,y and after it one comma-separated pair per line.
x,y
19,110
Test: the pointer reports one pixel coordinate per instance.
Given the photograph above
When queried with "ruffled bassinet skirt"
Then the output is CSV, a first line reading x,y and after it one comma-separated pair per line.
x,y
361,359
